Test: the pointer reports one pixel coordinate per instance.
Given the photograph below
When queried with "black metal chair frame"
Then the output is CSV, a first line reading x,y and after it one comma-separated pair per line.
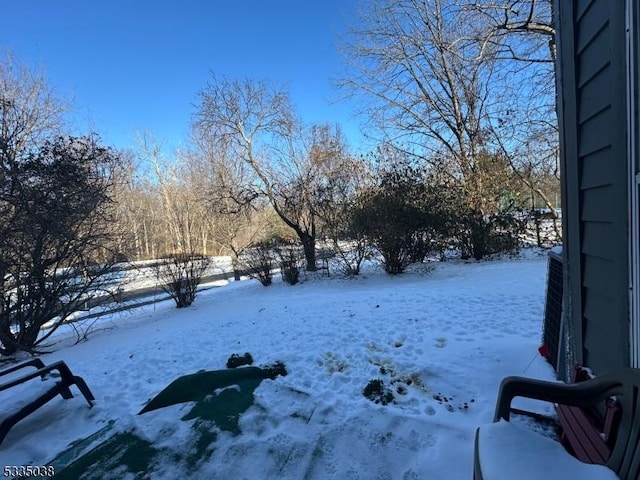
x,y
60,387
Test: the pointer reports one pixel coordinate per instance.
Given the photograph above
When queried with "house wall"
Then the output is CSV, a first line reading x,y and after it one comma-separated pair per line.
x,y
593,123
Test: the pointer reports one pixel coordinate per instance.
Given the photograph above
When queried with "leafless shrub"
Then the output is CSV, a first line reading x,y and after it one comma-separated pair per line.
x,y
180,274
290,256
259,261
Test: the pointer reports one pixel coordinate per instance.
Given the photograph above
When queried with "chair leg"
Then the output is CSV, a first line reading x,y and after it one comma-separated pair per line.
x,y
477,470
84,389
65,392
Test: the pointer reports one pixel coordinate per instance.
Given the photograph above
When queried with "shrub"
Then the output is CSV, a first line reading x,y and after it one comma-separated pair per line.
x,y
400,214
180,274
290,271
290,260
395,227
489,234
349,238
349,244
259,261
351,256
236,360
56,213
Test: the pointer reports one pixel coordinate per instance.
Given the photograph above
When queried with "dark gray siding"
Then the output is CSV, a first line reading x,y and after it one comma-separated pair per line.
x,y
592,107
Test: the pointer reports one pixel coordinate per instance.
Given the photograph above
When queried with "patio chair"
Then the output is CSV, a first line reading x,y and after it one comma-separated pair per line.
x,y
507,451
59,385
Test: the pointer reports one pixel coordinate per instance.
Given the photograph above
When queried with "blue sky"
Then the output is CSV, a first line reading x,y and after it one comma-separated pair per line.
x,y
138,64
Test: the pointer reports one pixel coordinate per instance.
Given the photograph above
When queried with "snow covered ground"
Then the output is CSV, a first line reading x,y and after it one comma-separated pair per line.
x,y
441,337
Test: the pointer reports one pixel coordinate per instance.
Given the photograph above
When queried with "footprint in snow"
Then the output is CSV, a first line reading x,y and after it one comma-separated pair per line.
x,y
441,342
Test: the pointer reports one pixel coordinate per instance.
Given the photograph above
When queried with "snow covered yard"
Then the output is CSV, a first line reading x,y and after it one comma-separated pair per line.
x,y
441,340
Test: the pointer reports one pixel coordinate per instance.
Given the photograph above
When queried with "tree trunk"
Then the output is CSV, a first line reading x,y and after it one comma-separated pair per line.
x,y
536,218
146,237
204,241
136,240
309,246
235,265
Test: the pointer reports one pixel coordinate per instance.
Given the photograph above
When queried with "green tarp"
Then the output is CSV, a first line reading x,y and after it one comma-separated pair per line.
x,y
219,397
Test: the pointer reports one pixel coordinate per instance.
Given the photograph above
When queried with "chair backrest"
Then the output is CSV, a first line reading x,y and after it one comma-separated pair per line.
x,y
625,458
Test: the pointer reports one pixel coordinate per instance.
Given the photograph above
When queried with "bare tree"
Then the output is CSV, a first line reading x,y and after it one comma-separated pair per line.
x,y
436,83
255,120
428,86
181,206
312,157
140,212
190,203
130,244
521,30
233,208
29,111
143,212
522,34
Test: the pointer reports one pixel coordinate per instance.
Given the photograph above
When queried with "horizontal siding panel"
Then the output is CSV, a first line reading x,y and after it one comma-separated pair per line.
x,y
595,133
596,169
594,58
597,204
602,358
595,239
594,19
604,331
597,306
604,353
598,274
595,95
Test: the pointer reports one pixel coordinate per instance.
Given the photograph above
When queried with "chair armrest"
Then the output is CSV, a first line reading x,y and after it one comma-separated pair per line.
x,y
41,372
583,394
34,362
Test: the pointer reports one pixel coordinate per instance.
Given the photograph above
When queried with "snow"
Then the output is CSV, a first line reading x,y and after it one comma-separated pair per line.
x,y
444,334
144,274
505,440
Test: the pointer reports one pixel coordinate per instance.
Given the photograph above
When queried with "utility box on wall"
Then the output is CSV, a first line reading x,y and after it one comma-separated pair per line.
x,y
552,324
